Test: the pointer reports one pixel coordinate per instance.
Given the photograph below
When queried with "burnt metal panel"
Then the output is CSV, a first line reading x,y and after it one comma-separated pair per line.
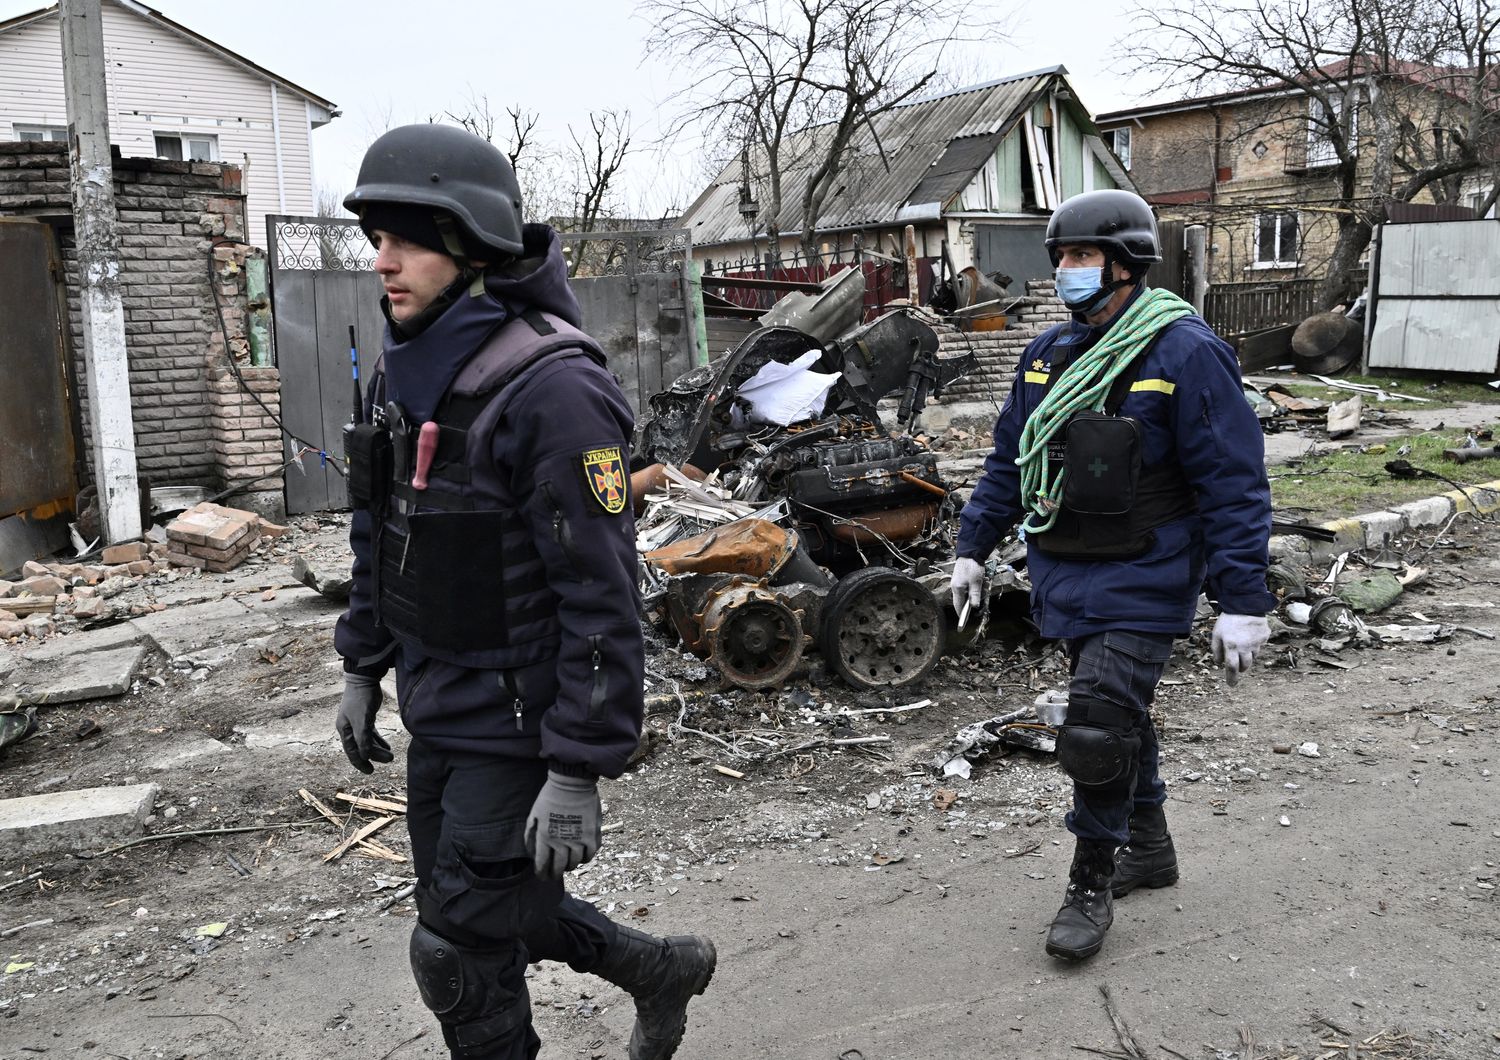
x,y
1015,250
37,447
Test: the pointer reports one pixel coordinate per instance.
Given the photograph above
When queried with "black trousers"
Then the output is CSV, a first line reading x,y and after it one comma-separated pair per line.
x,y
475,884
1121,669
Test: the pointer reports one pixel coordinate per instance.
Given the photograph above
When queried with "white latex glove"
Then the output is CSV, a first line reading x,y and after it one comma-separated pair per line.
x,y
967,584
1236,640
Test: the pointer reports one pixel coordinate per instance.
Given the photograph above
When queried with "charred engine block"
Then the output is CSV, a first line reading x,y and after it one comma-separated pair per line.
x,y
864,492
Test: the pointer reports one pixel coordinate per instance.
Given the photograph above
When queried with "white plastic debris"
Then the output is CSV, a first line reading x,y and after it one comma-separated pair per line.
x,y
1308,750
787,393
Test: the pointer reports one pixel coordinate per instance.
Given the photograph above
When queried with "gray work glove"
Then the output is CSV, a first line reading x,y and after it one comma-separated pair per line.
x,y
356,723
564,828
967,584
1236,640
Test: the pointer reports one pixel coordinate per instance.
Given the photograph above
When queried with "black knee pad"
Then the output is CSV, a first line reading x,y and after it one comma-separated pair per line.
x,y
479,995
1098,742
1096,757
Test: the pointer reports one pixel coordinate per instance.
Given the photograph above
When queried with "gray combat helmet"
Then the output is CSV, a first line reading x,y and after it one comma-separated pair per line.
x,y
1112,219
452,171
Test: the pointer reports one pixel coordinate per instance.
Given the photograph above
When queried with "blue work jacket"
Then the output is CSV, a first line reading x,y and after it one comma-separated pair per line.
x,y
1192,410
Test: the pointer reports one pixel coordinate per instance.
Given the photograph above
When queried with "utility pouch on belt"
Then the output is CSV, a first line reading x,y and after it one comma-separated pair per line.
x,y
367,458
1103,461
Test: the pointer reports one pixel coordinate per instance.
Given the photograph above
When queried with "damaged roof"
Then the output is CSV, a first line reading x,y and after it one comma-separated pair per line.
x,y
932,150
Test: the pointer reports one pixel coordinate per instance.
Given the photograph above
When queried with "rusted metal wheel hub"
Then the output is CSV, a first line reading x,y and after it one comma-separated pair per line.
x,y
753,637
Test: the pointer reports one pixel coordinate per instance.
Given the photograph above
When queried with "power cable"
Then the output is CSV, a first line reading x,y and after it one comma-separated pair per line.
x,y
324,458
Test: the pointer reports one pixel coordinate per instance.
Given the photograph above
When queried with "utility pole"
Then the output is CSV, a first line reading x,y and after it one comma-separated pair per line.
x,y
99,268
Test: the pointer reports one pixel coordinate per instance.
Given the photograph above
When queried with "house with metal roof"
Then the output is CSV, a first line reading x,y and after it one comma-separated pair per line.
x,y
981,168
173,94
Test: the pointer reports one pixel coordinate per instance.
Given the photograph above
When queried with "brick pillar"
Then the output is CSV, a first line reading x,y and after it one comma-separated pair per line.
x,y
247,442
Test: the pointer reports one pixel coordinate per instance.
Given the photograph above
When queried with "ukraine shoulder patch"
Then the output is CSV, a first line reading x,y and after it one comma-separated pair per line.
x,y
604,470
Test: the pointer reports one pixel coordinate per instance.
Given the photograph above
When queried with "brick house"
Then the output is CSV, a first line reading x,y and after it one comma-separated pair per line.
x,y
1258,167
176,95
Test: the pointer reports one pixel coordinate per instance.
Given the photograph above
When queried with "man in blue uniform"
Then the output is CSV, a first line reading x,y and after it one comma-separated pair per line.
x,y
494,569
1136,468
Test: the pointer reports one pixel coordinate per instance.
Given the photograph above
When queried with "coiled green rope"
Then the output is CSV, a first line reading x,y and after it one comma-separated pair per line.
x,y
1085,384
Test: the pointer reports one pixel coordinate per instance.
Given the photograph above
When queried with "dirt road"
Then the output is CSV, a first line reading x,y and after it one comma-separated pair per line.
x,y
1329,899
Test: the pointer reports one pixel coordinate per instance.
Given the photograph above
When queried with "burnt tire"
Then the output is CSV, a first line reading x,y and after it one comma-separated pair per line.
x,y
880,629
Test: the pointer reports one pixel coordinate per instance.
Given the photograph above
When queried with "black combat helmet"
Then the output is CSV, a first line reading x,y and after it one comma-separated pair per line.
x,y
452,171
1118,222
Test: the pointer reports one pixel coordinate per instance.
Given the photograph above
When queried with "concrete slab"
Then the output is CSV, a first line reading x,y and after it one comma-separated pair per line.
x,y
82,642
180,630
182,752
92,675
296,606
312,729
82,820
1429,511
1380,525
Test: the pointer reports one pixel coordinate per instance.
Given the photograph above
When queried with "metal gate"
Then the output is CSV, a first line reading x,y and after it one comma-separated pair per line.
x,y
322,282
37,447
635,301
1436,297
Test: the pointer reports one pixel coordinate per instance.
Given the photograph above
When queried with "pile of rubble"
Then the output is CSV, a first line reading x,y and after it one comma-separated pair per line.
x,y
777,509
50,596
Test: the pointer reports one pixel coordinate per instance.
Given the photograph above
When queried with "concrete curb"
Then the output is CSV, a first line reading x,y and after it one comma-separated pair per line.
x,y
1370,529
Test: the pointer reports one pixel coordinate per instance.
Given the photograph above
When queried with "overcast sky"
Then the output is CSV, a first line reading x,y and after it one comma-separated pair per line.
x,y
389,62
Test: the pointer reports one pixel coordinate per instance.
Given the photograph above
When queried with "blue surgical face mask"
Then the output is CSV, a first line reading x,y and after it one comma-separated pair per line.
x,y
1082,290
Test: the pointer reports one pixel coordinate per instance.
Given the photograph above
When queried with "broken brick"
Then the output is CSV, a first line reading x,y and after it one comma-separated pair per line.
x,y
115,555
44,585
139,566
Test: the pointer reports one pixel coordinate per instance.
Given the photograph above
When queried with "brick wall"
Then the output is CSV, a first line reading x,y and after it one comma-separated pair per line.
x,y
1000,351
188,431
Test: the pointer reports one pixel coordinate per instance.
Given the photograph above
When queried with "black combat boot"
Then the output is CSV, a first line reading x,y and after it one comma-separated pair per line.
x,y
663,975
1148,859
1088,909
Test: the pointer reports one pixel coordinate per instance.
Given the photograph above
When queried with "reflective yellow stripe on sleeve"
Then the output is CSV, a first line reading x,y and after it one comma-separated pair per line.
x,y
1160,386
1036,377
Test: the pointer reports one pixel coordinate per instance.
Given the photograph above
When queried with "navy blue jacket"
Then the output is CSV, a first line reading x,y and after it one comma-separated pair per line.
x,y
574,698
1193,413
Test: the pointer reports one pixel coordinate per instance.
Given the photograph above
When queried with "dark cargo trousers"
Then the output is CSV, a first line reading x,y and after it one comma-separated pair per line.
x,y
1119,669
476,887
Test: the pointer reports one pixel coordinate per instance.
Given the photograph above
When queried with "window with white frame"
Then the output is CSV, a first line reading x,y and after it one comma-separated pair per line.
x,y
1321,120
187,147
1119,142
53,133
1276,240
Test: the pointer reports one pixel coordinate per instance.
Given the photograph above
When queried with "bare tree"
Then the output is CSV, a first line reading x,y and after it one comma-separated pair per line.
x,y
1392,98
538,165
596,161
789,83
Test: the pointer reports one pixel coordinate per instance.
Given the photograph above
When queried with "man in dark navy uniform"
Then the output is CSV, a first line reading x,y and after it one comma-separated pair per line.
x,y
495,571
1163,491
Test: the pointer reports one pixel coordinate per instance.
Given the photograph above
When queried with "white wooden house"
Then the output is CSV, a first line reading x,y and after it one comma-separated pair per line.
x,y
173,94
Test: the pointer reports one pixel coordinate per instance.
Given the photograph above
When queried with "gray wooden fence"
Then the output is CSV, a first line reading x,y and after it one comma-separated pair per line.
x,y
1237,308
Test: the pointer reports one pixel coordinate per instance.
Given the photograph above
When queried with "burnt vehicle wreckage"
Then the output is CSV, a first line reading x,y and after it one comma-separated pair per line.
x,y
761,537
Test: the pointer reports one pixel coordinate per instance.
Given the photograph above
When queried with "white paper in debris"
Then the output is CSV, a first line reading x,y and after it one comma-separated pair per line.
x,y
787,393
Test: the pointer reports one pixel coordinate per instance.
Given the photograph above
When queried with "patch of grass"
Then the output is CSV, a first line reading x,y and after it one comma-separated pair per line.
x,y
1354,481
1439,392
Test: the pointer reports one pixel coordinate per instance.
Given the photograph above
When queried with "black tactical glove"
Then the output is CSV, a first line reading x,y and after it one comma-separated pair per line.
x,y
356,723
564,828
